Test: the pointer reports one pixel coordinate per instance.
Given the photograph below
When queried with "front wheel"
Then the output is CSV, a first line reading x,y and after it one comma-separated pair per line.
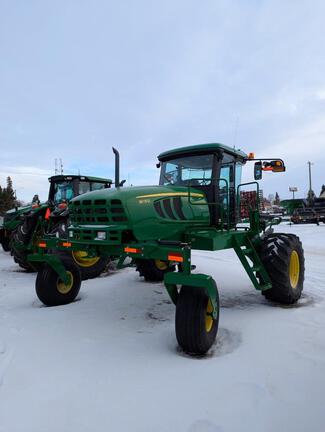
x,y
51,290
196,328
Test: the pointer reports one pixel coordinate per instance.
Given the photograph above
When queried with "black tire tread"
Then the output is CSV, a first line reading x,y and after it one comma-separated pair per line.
x,y
190,321
20,255
150,272
6,244
46,284
275,254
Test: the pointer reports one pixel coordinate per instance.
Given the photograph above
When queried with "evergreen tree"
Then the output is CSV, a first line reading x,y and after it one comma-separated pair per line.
x,y
277,199
7,197
323,190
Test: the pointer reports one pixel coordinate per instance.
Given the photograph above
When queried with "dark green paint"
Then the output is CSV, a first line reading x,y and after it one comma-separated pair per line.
x,y
129,218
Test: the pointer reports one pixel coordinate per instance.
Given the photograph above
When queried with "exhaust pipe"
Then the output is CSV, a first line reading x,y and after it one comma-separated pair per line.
x,y
117,167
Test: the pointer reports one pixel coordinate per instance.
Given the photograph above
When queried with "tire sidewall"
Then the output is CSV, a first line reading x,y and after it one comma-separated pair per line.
x,y
46,284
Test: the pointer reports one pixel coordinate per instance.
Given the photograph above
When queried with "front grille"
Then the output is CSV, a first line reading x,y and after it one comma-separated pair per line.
x,y
96,212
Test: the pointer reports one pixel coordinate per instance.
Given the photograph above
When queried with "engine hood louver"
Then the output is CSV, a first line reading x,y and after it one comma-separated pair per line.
x,y
170,208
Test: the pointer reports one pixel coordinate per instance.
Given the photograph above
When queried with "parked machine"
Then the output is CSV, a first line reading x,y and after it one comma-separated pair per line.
x,y
311,212
25,226
11,220
195,206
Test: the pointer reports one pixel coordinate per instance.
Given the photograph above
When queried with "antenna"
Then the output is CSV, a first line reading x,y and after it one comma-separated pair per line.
x,y
56,166
61,166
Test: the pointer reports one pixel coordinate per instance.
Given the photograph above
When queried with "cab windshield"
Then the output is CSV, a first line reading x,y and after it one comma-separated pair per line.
x,y
187,170
63,192
86,186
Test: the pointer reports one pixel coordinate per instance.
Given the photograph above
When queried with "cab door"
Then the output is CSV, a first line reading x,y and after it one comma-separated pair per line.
x,y
227,192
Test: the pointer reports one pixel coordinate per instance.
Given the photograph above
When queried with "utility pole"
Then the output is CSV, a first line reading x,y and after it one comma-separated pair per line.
x,y
309,167
311,194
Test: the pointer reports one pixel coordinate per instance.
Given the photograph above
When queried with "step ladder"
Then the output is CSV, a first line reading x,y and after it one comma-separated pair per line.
x,y
252,263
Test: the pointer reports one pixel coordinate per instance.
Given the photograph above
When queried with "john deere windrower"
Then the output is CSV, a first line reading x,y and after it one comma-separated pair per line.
x,y
197,205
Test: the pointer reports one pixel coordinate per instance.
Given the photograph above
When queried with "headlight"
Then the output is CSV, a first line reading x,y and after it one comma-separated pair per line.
x,y
71,234
101,235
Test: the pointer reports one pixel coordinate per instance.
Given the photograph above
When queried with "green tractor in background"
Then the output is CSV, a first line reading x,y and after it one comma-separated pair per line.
x,y
197,205
25,226
11,220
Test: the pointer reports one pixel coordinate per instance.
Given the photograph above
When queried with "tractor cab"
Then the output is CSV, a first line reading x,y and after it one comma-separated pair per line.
x,y
65,187
214,169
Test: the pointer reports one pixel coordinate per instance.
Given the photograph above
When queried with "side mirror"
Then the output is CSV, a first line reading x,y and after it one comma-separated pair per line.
x,y
258,171
274,166
278,166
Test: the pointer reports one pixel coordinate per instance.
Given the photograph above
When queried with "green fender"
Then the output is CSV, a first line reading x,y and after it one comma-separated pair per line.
x,y
55,262
200,281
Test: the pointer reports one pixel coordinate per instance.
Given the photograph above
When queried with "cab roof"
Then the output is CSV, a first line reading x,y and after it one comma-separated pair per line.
x,y
67,177
198,148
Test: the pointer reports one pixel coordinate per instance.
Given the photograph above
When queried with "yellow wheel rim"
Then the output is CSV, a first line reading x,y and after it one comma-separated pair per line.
x,y
161,265
294,269
82,259
62,287
208,317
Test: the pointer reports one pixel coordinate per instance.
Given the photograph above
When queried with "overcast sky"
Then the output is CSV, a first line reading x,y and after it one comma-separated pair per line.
x,y
77,77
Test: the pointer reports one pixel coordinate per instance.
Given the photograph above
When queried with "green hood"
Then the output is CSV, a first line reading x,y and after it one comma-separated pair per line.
x,y
150,212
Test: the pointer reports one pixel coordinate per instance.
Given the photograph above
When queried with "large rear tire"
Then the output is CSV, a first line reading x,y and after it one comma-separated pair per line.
x,y
283,258
196,329
51,290
20,254
20,258
153,270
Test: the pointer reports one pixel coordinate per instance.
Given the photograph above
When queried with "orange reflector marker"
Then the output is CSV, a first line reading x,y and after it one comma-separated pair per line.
x,y
175,256
66,244
42,244
132,250
47,213
251,155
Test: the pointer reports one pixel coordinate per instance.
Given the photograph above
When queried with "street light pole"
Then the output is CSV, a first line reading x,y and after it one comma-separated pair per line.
x,y
293,189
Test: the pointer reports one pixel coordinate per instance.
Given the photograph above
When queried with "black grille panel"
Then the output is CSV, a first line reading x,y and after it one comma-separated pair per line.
x,y
99,211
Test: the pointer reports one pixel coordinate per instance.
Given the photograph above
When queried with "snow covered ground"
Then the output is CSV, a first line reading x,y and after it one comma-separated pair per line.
x,y
110,362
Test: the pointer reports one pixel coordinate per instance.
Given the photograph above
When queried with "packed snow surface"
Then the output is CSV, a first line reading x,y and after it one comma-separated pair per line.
x,y
110,361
